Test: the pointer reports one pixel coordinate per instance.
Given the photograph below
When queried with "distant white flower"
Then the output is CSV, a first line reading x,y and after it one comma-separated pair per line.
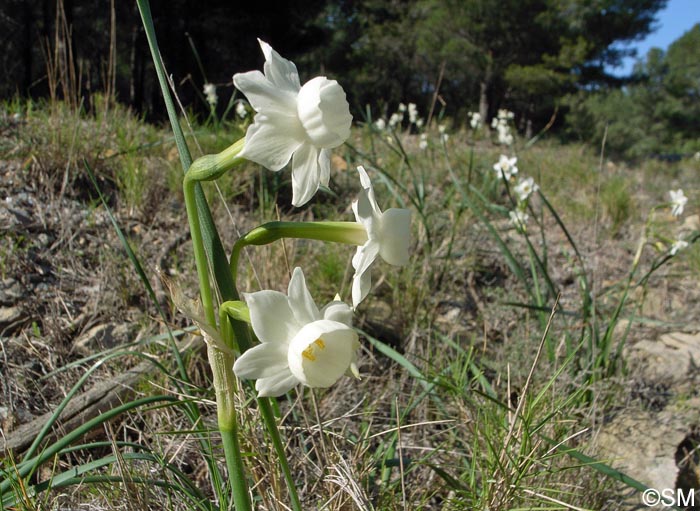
x,y
678,202
525,188
442,128
504,113
696,156
299,342
423,144
210,94
296,123
475,120
241,110
412,113
395,119
380,124
519,219
504,136
678,245
505,167
402,107
388,233
419,123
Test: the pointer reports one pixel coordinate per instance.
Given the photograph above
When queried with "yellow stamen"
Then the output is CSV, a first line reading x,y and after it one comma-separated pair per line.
x,y
308,353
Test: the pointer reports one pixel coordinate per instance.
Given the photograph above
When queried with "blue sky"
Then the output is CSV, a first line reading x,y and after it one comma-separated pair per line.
x,y
678,17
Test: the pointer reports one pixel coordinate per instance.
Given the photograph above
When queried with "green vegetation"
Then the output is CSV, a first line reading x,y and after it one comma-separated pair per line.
x,y
478,416
656,114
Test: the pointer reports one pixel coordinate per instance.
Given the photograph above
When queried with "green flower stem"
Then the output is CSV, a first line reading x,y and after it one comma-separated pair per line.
x,y
238,313
203,169
235,335
267,413
352,233
200,256
224,388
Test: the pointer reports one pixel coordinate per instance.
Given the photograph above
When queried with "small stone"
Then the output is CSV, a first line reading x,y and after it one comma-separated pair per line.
x,y
10,291
9,315
668,359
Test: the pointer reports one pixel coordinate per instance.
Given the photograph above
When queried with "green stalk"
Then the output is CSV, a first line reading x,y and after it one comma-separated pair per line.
x,y
265,408
352,233
224,388
221,363
238,312
200,256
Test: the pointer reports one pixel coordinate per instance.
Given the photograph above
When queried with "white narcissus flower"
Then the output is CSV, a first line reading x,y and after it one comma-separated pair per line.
x,y
395,119
296,123
504,135
423,144
241,110
210,93
380,124
678,201
475,120
299,342
519,219
388,235
525,188
412,113
677,246
505,167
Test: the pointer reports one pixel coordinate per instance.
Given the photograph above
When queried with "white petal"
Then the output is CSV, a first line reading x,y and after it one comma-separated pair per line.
x,y
280,71
362,280
300,301
365,207
338,311
262,361
264,96
271,317
361,286
305,174
324,164
364,177
365,214
277,385
365,256
269,144
395,236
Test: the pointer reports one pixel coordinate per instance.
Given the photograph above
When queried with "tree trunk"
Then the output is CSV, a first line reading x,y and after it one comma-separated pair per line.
x,y
484,89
